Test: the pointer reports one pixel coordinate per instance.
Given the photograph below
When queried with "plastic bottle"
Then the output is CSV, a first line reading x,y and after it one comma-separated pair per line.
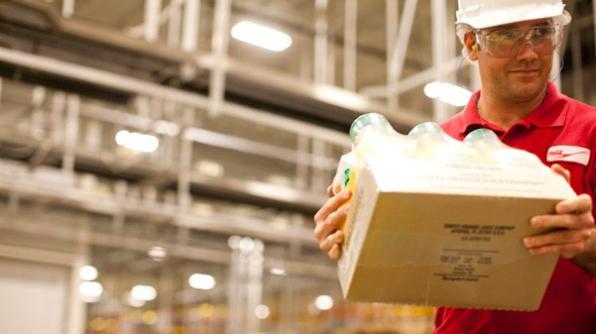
x,y
372,137
488,145
433,143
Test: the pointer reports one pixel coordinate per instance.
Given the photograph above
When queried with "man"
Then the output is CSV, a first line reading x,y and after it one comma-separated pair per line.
x,y
513,43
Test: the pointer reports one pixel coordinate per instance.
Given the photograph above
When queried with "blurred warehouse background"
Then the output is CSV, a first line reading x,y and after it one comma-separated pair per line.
x,y
159,174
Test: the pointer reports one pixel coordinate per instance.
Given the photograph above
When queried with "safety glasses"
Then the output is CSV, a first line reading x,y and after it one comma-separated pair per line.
x,y
509,42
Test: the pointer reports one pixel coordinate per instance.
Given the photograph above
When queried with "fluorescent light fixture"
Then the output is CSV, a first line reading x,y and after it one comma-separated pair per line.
x,y
201,281
90,291
143,292
448,93
278,271
88,273
341,97
262,311
134,302
324,302
261,36
137,141
157,253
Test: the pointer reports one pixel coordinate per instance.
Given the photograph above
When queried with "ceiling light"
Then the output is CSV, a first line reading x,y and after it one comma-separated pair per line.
x,y
341,97
278,271
157,253
262,311
137,141
143,292
261,36
324,302
201,281
88,273
90,291
448,93
134,302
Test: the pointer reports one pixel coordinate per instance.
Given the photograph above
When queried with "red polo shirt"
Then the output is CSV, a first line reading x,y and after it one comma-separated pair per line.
x,y
555,132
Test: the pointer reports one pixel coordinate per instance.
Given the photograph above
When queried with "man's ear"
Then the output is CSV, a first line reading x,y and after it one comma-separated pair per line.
x,y
471,46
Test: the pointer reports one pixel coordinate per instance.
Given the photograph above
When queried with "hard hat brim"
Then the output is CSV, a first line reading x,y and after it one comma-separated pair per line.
x,y
512,15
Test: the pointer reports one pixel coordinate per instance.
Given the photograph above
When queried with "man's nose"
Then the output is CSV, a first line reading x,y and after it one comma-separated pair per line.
x,y
526,51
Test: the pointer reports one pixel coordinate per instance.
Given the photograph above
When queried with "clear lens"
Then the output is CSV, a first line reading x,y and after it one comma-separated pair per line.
x,y
508,42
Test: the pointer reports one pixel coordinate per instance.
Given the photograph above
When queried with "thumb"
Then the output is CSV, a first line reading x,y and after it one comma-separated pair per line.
x,y
561,171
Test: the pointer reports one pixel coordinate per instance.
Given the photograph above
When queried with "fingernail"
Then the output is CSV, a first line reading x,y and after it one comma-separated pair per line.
x,y
536,222
528,242
532,251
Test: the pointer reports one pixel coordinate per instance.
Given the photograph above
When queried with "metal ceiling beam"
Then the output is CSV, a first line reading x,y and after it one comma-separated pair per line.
x,y
140,87
30,224
414,80
278,90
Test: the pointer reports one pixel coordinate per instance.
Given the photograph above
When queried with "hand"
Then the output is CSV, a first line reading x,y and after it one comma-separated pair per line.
x,y
328,219
573,223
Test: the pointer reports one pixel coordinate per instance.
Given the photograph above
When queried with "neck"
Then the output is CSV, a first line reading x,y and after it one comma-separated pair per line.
x,y
505,113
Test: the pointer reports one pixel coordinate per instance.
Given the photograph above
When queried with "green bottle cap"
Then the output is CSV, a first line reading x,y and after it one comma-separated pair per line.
x,y
368,119
426,128
481,134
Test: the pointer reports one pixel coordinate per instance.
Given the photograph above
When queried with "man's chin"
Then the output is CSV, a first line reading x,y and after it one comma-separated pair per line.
x,y
527,89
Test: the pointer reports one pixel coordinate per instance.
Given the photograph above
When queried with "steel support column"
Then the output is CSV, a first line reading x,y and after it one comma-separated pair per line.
x,y
174,19
219,47
184,169
73,104
438,22
350,39
321,43
151,20
400,47
68,7
190,32
391,25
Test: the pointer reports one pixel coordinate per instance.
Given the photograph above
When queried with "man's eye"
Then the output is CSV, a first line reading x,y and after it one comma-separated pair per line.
x,y
543,31
506,35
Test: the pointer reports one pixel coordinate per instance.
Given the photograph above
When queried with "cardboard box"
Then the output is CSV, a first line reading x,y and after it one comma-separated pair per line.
x,y
448,234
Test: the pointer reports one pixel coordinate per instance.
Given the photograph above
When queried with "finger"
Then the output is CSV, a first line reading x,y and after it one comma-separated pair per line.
x,y
567,251
331,223
335,252
330,191
569,220
334,239
581,203
558,238
561,171
331,205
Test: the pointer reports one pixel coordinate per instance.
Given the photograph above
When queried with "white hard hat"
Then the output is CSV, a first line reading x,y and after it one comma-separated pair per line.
x,y
481,14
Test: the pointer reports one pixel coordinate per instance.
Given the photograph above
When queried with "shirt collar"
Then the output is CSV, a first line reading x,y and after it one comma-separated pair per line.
x,y
550,113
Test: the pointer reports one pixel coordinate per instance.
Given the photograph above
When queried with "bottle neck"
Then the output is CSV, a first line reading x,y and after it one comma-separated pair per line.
x,y
372,130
